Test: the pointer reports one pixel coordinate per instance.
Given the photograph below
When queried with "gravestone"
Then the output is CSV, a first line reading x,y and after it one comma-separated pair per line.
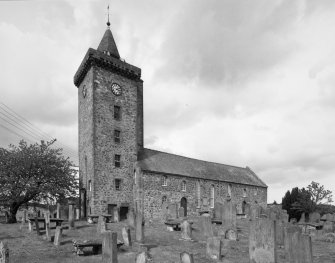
x,y
231,234
116,214
131,219
37,226
4,253
186,230
302,218
186,258
262,244
47,226
71,215
109,247
329,217
181,212
206,227
172,211
299,248
101,226
126,236
279,232
314,217
164,211
58,235
229,214
142,257
58,210
328,227
288,230
77,214
213,248
255,211
218,211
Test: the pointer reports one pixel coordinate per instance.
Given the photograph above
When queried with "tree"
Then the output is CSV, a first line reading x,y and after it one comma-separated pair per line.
x,y
34,172
319,194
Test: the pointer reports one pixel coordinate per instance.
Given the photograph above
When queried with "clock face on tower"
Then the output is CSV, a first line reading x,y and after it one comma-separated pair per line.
x,y
116,89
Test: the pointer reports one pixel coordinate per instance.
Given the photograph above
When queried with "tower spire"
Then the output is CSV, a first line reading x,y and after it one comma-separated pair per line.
x,y
108,23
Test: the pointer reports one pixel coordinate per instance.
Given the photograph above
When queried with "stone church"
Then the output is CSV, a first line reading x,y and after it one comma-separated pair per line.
x,y
111,147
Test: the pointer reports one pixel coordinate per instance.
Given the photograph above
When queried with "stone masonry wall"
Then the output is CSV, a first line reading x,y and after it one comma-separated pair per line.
x,y
131,128
154,192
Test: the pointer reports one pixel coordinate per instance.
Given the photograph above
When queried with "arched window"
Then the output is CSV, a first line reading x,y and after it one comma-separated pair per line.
x,y
164,199
212,200
89,185
244,192
229,189
183,186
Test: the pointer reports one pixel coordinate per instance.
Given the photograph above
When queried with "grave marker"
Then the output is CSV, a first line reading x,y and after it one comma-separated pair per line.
x,y
328,226
37,226
142,257
58,210
213,248
302,218
58,235
47,226
181,212
186,258
109,247
4,253
131,218
101,226
255,212
206,225
262,244
218,211
298,248
186,230
71,215
126,236
229,214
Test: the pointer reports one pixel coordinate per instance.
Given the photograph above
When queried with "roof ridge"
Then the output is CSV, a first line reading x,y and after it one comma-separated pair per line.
x,y
245,168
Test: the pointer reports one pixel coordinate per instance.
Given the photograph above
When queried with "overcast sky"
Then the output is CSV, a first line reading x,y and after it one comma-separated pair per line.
x,y
246,83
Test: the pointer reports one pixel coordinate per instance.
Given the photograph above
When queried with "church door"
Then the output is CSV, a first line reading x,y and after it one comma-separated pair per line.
x,y
183,203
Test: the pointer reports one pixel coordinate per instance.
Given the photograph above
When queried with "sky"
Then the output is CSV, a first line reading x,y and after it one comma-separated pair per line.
x,y
244,83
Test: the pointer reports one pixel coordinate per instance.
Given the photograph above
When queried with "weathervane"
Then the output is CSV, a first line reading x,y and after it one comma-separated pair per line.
x,y
108,23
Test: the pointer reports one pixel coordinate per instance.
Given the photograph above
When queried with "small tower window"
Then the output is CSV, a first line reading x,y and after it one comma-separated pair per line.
x,y
117,113
117,184
244,192
164,181
117,134
183,186
89,185
117,160
164,199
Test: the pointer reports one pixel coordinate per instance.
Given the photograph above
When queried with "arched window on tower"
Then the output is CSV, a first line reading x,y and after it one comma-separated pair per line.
x,y
183,186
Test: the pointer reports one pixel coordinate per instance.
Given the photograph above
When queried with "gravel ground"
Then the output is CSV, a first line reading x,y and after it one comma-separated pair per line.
x,y
165,247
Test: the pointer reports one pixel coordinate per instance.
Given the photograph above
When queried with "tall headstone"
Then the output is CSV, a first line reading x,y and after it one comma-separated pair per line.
x,y
218,211
255,212
47,226
186,258
109,247
288,231
142,257
186,230
116,214
229,214
71,215
279,232
4,253
181,212
262,241
37,226
172,211
299,248
30,226
139,204
101,226
126,236
58,210
302,218
58,235
206,227
213,248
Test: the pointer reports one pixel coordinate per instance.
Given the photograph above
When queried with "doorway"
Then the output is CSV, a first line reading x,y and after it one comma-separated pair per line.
x,y
183,203
123,212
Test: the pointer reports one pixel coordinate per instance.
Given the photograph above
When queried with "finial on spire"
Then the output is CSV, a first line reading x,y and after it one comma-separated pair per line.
x,y
108,23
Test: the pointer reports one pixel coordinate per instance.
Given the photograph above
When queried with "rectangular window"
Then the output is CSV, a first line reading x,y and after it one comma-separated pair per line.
x,y
117,113
164,181
117,184
183,186
117,160
117,134
89,185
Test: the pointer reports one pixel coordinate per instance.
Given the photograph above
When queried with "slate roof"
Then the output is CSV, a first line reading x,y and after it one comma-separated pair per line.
x,y
107,43
166,163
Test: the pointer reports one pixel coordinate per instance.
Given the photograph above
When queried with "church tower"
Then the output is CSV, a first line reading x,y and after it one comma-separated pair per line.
x,y
110,100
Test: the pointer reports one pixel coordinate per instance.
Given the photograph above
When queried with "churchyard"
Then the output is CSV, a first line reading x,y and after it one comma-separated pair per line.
x,y
260,236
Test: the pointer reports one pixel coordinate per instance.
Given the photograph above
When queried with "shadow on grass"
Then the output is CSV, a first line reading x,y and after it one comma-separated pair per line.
x,y
82,226
9,237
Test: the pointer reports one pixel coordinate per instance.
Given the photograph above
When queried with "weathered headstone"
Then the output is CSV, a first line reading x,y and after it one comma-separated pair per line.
x,y
172,211
77,213
218,211
206,225
186,258
126,236
262,244
116,214
302,218
329,217
181,212
186,230
142,257
213,248
4,253
37,226
71,215
288,230
58,210
131,219
229,214
298,248
109,247
279,232
47,226
58,235
30,226
231,234
328,226
101,226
